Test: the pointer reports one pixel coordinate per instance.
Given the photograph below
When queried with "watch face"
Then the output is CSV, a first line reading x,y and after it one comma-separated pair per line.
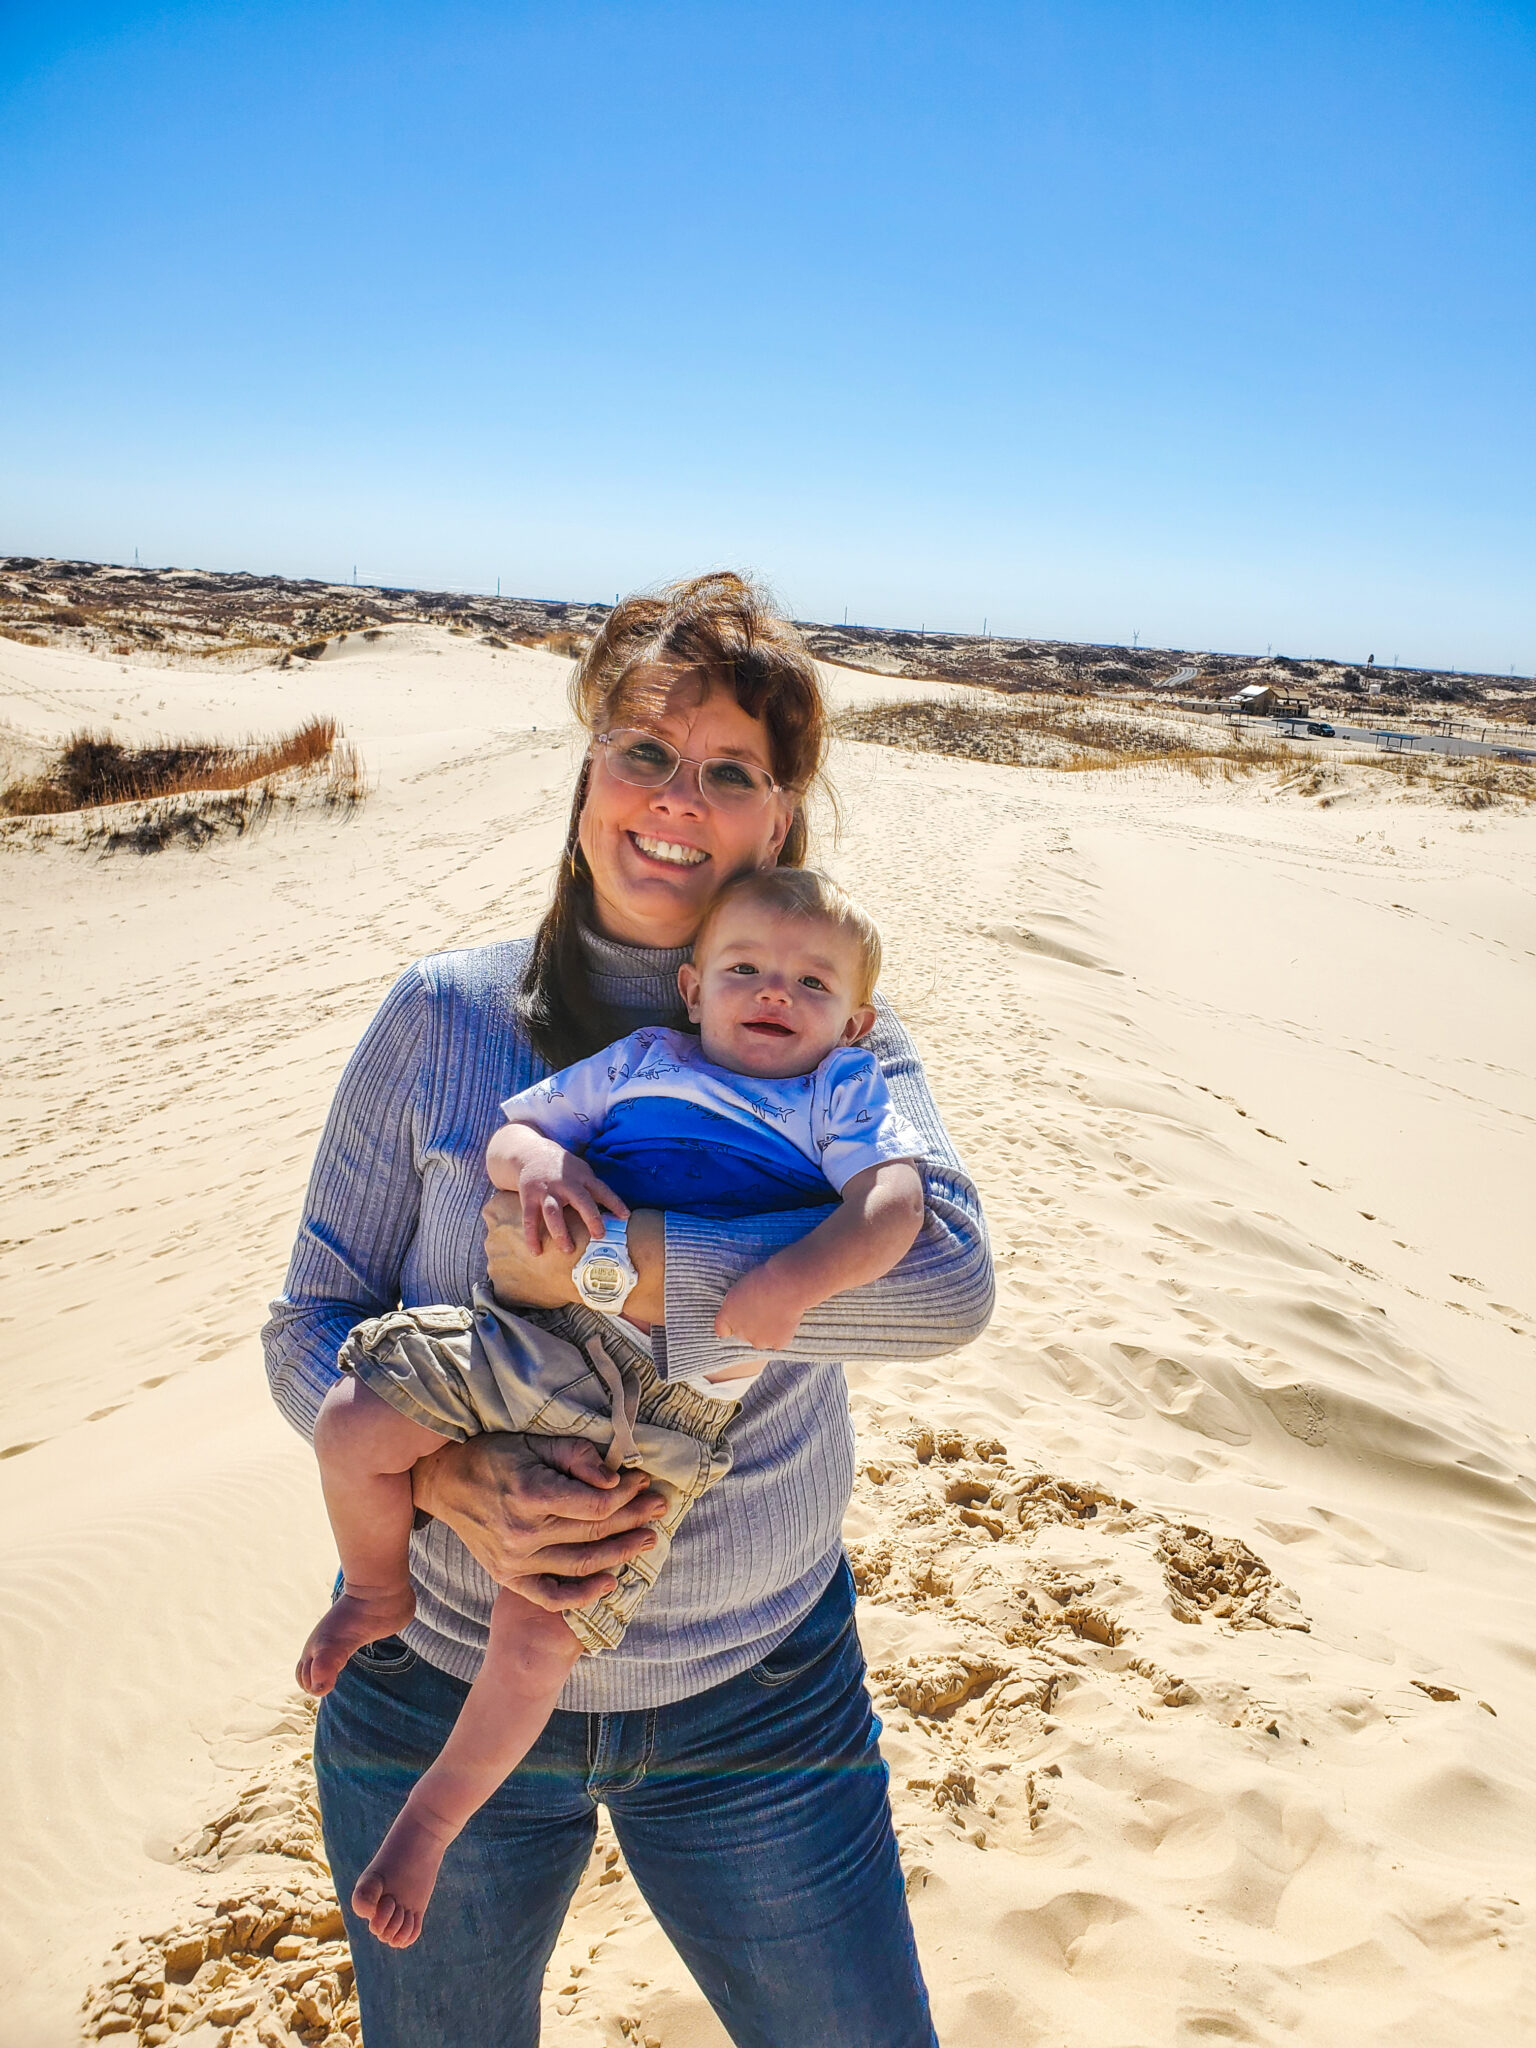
x,y
602,1280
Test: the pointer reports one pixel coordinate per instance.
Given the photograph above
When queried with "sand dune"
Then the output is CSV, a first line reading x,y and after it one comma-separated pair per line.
x,y
1197,1593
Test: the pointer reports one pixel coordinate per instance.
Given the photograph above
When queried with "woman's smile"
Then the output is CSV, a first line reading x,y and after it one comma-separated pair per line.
x,y
673,851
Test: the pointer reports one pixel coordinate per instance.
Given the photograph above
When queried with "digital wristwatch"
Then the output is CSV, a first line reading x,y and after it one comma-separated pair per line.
x,y
605,1274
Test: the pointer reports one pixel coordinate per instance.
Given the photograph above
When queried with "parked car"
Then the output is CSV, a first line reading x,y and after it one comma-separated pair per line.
x,y
1319,730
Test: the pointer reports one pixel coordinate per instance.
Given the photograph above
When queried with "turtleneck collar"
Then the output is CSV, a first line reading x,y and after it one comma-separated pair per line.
x,y
637,980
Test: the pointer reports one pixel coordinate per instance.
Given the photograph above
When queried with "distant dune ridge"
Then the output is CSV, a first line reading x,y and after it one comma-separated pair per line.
x,y
169,612
1197,1594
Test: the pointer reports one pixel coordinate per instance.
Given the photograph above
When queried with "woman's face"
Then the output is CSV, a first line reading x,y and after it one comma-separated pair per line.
x,y
658,855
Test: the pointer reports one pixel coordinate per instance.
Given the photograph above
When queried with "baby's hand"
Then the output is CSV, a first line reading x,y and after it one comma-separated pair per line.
x,y
760,1309
549,1180
548,1187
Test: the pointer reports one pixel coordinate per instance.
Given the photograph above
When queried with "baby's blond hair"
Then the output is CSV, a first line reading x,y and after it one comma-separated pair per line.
x,y
802,892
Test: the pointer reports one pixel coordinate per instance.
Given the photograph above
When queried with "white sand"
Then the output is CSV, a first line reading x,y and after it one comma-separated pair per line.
x,y
1248,1087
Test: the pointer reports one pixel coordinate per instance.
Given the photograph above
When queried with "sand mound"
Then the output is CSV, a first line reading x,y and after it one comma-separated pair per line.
x,y
261,1959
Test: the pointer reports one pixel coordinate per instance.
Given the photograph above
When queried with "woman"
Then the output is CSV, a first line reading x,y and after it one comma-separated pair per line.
x,y
730,1734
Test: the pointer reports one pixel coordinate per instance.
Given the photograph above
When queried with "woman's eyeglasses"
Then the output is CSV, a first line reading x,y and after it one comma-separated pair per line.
x,y
647,762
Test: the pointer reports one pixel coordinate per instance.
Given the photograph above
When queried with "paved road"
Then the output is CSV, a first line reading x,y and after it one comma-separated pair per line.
x,y
1408,742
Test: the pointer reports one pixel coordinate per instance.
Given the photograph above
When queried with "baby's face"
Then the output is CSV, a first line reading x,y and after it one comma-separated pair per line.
x,y
774,993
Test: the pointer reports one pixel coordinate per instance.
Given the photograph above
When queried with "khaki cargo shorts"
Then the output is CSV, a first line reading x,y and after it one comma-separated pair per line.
x,y
553,1372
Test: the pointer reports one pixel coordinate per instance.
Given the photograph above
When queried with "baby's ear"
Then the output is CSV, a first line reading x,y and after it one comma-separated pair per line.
x,y
688,988
859,1025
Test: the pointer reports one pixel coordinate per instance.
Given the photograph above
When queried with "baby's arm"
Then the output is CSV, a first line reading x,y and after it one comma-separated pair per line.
x,y
872,1229
548,1179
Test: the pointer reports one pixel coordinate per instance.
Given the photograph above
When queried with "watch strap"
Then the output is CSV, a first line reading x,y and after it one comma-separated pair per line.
x,y
611,1249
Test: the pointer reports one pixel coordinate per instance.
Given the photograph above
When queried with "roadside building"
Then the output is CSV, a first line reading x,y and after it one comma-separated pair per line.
x,y
1258,698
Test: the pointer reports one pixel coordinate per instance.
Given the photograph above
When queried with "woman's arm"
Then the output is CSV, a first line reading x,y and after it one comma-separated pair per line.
x,y
361,1210
531,1512
935,1300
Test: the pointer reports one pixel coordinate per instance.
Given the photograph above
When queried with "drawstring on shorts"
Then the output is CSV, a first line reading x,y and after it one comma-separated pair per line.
x,y
623,1390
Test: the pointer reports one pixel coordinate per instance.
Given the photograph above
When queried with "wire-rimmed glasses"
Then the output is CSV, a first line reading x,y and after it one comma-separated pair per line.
x,y
647,761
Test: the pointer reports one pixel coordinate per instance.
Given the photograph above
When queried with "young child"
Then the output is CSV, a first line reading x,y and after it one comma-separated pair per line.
x,y
772,1106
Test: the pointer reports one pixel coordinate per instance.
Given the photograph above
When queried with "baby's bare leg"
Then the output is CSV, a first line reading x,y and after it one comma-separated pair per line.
x,y
366,1450
528,1659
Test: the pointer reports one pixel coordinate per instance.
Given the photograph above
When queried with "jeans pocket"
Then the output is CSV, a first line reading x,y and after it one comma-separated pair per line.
x,y
389,1657
823,1630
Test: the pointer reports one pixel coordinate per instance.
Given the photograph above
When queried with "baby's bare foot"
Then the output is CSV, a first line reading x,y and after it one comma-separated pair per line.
x,y
351,1620
392,1893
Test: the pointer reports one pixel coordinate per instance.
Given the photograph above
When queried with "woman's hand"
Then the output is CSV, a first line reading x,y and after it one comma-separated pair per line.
x,y
543,1515
542,1279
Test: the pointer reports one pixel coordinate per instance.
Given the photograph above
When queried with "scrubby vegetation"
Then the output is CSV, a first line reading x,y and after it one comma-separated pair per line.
x,y
572,645
1075,737
177,616
144,798
1074,668
1057,733
94,768
1469,782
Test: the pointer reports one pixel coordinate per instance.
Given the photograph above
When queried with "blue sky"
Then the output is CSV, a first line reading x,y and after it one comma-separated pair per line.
x,y
1212,323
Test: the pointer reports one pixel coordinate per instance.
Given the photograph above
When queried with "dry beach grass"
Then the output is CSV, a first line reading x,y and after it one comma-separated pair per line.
x,y
1075,736
93,768
1063,733
95,791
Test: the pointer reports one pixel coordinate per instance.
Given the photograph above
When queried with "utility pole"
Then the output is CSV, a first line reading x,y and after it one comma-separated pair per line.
x,y
1136,639
498,586
354,575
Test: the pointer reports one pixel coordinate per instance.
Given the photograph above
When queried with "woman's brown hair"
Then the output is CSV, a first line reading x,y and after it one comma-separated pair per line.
x,y
721,628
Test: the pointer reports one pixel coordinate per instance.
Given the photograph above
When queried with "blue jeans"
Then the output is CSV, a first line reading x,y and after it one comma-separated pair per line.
x,y
754,1817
